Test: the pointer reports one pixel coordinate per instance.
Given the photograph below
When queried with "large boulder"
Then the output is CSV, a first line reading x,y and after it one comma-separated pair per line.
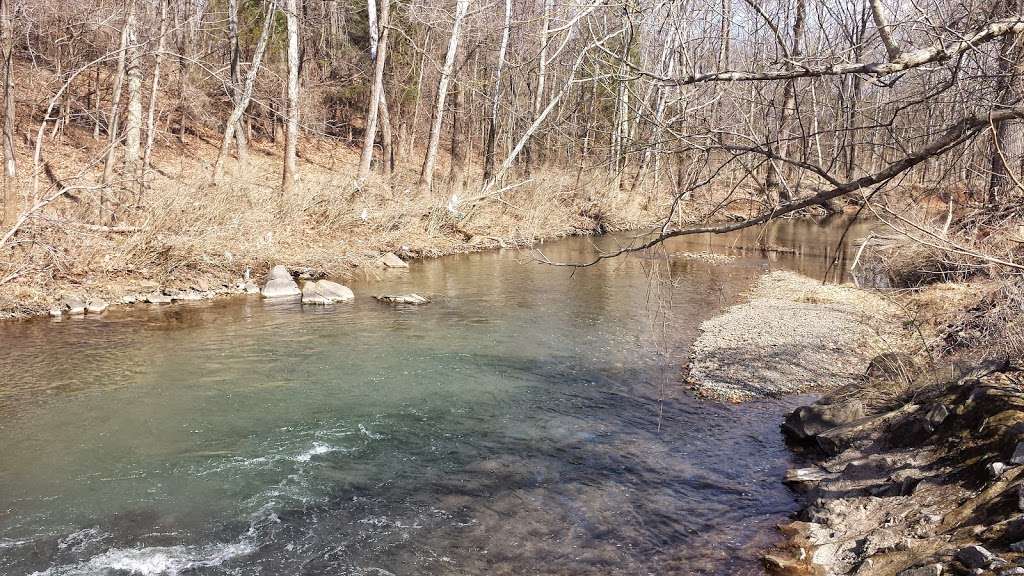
x,y
312,293
806,422
279,272
281,288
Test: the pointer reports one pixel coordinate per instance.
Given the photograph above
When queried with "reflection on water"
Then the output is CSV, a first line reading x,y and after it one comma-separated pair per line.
x,y
530,420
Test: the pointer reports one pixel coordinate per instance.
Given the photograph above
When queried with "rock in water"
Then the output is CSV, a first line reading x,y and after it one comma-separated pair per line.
x,y
808,421
157,298
281,288
403,299
56,312
390,260
96,307
336,292
312,293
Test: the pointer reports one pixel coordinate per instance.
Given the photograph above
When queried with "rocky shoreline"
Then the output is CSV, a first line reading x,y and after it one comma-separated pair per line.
x,y
280,283
912,467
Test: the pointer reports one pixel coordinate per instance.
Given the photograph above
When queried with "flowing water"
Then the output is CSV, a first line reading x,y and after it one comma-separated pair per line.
x,y
530,420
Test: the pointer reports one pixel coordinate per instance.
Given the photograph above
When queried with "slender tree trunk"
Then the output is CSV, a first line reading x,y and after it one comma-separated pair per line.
x,y
290,175
243,100
492,120
457,171
529,154
427,173
378,51
726,35
113,128
241,138
133,124
147,155
386,140
1007,150
773,181
10,196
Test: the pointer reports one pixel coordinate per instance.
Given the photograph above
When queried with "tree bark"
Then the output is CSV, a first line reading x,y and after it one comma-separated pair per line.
x,y
147,155
241,140
290,175
457,171
1007,149
773,180
378,52
243,100
492,120
427,173
10,197
133,123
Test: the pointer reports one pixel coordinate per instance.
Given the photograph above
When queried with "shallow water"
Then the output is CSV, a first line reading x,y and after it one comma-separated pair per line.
x,y
529,420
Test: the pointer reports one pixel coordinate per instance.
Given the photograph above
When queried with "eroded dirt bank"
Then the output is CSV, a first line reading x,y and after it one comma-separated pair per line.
x,y
913,464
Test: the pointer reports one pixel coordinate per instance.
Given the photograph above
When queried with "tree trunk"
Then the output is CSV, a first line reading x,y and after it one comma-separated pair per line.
x,y
492,120
427,173
114,124
243,100
10,197
290,175
133,124
530,154
147,155
241,138
773,181
1007,149
457,172
378,52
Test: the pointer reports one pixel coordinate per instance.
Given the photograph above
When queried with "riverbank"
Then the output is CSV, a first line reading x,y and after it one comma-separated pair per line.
x,y
184,235
912,456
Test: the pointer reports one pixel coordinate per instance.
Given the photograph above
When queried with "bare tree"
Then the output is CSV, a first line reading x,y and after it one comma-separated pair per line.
x,y
147,155
133,119
243,99
427,173
492,119
290,175
10,196
378,51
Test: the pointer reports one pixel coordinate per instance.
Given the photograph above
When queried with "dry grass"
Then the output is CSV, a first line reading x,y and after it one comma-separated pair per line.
x,y
183,229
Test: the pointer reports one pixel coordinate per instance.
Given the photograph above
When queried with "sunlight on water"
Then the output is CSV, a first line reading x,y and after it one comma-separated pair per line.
x,y
530,420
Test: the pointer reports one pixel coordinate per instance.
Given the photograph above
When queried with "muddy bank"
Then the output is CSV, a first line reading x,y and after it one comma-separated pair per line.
x,y
793,335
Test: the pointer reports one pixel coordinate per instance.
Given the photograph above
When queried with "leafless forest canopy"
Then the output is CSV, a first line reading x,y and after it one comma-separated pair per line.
x,y
792,103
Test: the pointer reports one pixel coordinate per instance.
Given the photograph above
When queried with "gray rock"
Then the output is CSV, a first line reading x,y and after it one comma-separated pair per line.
x,y
281,288
929,570
313,294
56,312
937,415
996,469
73,306
804,478
1018,454
157,298
390,260
250,288
96,307
279,272
808,421
129,299
1011,571
336,292
1017,546
975,556
414,299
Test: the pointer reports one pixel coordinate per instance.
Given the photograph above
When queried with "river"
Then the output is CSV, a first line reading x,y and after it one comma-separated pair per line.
x,y
531,420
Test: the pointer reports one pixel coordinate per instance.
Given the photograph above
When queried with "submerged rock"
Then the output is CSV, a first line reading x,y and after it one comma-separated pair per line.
x,y
414,299
391,260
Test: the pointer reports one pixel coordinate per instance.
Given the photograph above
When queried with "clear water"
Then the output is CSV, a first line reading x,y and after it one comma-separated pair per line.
x,y
530,420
